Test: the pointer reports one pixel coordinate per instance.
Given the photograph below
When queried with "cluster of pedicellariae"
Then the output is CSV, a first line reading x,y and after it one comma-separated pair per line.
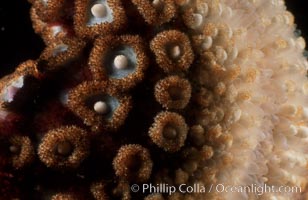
x,y
164,91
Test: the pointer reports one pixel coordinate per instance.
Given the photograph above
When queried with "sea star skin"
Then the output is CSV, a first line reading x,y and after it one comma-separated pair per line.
x,y
206,92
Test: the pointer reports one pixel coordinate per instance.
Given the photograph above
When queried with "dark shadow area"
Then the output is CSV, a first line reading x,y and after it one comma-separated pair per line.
x,y
18,42
299,9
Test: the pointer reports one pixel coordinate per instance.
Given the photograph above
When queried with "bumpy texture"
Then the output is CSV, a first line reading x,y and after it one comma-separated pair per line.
x,y
164,91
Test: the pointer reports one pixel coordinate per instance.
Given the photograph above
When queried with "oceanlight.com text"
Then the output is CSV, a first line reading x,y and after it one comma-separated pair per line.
x,y
164,188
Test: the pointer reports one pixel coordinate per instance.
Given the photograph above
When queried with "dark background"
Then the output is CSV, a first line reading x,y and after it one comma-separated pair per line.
x,y
18,42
